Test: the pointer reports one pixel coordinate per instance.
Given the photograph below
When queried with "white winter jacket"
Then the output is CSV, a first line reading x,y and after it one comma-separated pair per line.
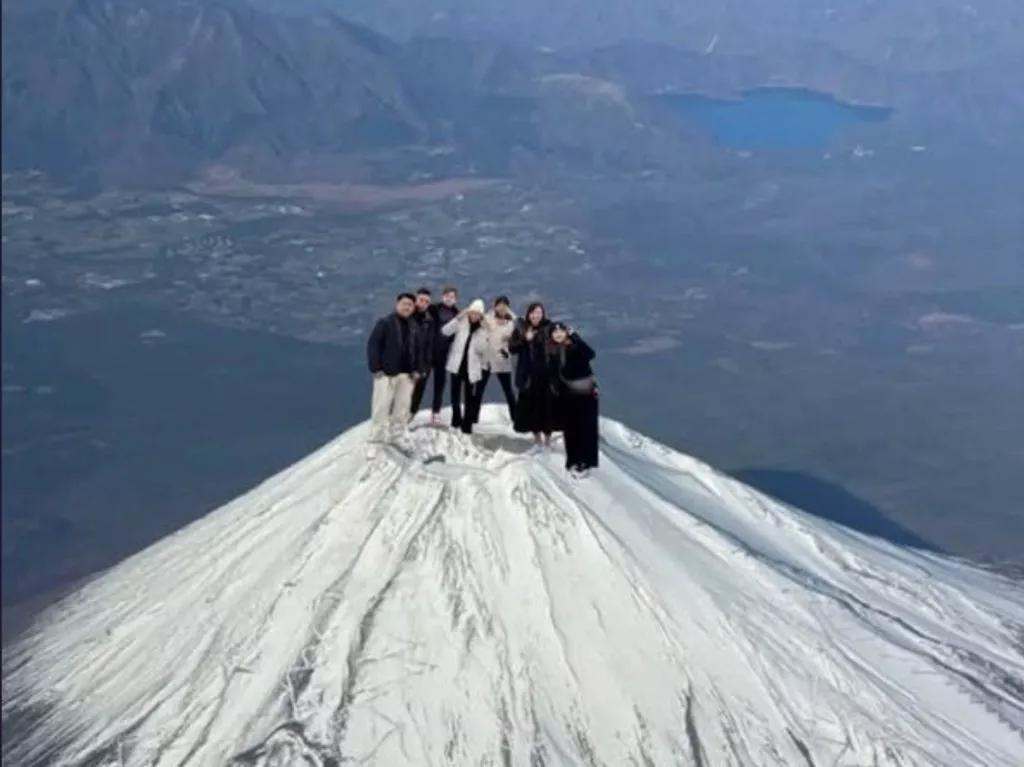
x,y
477,362
498,334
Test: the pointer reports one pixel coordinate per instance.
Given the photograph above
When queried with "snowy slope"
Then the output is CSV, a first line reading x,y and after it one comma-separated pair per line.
x,y
492,611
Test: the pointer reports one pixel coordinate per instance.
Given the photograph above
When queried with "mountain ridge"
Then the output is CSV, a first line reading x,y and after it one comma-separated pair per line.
x,y
914,36
942,61
143,92
133,81
390,612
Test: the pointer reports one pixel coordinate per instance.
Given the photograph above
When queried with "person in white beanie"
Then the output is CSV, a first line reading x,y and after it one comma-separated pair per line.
x,y
467,359
501,323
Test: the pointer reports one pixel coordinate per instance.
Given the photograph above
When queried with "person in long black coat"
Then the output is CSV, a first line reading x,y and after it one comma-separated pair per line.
x,y
534,412
577,397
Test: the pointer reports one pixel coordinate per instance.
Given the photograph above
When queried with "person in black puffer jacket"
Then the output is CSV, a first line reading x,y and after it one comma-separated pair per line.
x,y
535,403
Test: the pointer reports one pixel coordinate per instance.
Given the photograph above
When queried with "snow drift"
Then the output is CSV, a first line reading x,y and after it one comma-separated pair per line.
x,y
490,610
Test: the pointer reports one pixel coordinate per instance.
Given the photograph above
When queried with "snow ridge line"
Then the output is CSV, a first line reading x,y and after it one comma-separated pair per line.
x,y
299,677
366,624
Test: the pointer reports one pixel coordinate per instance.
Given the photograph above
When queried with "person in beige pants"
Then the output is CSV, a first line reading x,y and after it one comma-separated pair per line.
x,y
389,405
394,353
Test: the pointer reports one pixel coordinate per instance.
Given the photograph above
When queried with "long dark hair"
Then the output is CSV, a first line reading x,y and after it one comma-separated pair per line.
x,y
556,349
529,311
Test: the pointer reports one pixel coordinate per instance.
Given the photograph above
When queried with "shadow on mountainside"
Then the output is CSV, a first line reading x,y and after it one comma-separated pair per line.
x,y
121,427
516,445
832,502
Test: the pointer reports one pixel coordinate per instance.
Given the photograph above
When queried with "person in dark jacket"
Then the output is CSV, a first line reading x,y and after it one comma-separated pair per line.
x,y
394,354
442,313
534,405
575,386
424,318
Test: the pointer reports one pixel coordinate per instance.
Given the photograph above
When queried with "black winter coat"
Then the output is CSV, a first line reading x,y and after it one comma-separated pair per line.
x,y
395,347
427,326
440,344
570,364
531,356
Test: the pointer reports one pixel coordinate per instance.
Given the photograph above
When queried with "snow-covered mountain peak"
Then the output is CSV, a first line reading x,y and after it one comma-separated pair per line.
x,y
491,610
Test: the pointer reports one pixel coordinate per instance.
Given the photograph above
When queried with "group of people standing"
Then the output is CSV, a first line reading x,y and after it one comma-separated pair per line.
x,y
543,367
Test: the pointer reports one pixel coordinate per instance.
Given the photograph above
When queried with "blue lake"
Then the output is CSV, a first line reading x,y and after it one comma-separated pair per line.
x,y
773,118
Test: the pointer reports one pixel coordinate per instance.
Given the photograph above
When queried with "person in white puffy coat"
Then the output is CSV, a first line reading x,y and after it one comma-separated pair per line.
x,y
467,361
501,322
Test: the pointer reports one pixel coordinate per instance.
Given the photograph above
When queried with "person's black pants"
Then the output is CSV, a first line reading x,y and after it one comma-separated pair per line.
x,y
580,431
505,379
440,378
464,391
535,410
417,394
